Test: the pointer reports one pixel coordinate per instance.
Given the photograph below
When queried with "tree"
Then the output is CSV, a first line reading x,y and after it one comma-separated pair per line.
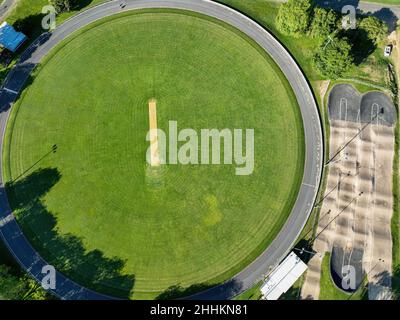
x,y
294,17
10,286
333,58
63,5
375,28
15,288
324,22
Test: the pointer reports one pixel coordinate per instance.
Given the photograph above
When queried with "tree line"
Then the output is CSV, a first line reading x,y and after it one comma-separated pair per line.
x,y
64,5
339,48
19,287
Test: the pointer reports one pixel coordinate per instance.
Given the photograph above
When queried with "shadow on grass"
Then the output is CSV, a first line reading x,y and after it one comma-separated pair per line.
x,y
202,291
396,283
388,16
363,46
176,291
80,4
31,25
65,251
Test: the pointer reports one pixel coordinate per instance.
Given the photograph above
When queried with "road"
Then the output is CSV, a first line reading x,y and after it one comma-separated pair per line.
x,y
5,6
280,247
375,7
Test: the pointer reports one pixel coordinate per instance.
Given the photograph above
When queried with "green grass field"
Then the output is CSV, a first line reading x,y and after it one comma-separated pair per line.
x,y
94,208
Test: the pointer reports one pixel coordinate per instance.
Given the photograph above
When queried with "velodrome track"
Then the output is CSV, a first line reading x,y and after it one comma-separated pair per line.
x,y
67,289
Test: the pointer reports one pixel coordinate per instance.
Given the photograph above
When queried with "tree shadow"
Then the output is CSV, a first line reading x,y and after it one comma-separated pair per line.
x,y
384,287
20,76
17,79
362,45
64,251
80,4
384,279
31,25
336,5
6,57
32,46
202,291
387,16
396,283
176,291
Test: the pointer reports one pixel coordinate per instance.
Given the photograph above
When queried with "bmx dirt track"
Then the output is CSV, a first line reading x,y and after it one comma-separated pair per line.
x,y
26,255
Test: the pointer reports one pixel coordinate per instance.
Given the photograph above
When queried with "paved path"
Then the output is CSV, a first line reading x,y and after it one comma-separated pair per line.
x,y
5,6
281,246
375,7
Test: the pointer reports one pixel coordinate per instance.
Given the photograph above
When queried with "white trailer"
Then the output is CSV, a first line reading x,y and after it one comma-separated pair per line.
x,y
282,278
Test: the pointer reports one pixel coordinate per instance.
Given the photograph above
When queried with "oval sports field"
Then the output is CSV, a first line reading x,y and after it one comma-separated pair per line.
x,y
74,154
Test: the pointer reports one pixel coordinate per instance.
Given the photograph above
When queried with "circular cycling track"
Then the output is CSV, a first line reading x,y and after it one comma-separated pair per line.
x,y
30,260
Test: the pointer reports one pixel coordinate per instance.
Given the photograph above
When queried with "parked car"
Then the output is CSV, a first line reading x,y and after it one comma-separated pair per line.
x,y
388,50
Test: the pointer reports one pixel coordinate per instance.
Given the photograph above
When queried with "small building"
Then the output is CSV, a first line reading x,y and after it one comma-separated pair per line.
x,y
282,278
9,38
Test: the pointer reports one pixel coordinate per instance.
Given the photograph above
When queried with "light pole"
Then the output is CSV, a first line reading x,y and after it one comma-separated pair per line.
x,y
344,209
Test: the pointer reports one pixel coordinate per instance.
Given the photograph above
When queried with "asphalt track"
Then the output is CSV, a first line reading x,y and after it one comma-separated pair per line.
x,y
347,104
26,255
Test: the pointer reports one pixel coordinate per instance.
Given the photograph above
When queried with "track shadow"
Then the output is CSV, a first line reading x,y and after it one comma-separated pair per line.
x,y
20,76
32,46
18,79
65,251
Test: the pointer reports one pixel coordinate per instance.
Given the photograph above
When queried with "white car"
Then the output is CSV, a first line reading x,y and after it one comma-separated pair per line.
x,y
388,50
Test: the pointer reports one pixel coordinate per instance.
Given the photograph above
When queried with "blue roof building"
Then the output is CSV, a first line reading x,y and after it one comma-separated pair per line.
x,y
9,38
